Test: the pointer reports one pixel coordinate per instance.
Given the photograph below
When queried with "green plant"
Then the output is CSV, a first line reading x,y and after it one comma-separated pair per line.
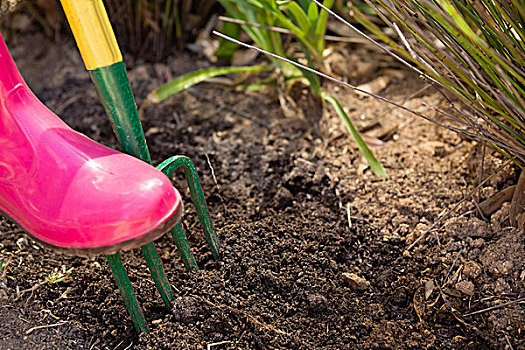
x,y
473,50
187,80
264,21
59,275
301,18
476,51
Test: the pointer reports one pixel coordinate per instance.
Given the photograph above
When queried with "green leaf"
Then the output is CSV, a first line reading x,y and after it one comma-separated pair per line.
x,y
374,164
320,28
313,13
299,15
315,84
227,48
188,80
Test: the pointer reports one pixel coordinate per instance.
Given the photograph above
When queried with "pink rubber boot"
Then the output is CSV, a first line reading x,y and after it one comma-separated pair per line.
x,y
68,191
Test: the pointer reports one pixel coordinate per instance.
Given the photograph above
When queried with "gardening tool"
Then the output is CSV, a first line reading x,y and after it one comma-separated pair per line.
x,y
81,197
98,47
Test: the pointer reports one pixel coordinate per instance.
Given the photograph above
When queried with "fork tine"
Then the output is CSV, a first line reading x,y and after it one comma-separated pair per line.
x,y
127,292
157,272
183,247
197,196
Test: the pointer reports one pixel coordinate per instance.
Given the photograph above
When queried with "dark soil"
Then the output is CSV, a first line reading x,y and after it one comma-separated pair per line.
x,y
314,246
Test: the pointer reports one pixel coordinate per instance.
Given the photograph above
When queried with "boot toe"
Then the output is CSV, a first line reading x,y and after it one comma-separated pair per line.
x,y
107,207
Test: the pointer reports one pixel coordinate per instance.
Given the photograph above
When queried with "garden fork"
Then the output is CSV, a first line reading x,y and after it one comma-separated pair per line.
x,y
98,47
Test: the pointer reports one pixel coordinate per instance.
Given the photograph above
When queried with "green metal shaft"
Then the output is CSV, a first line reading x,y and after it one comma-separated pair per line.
x,y
115,93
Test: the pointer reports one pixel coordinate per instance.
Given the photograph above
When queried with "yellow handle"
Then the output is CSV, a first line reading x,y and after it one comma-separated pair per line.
x,y
93,33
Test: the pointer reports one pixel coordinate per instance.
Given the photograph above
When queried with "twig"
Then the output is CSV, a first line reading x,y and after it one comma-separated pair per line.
x,y
94,343
348,215
216,183
253,319
30,330
32,289
482,165
499,306
212,172
287,31
437,222
208,346
451,267
468,325
411,51
480,177
62,107
508,342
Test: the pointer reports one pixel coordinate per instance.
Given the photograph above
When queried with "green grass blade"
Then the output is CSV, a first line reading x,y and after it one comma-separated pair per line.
x,y
313,12
477,52
372,161
187,80
297,12
226,48
320,28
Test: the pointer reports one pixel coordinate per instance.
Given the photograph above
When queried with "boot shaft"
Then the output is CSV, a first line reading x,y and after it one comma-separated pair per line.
x,y
9,75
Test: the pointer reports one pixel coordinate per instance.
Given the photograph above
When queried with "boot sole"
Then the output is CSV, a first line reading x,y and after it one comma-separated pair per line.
x,y
148,237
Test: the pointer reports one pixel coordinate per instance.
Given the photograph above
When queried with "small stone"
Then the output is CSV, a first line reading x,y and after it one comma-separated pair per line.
x,y
477,243
317,302
356,282
508,266
283,198
472,269
186,309
465,287
429,288
421,228
500,268
462,228
403,229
